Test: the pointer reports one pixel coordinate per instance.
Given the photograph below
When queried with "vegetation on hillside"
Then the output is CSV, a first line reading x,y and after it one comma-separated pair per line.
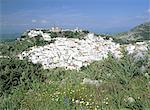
x,y
123,85
15,72
138,33
63,34
66,34
24,42
15,47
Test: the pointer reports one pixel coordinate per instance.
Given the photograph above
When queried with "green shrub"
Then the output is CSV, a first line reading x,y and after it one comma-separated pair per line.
x,y
14,72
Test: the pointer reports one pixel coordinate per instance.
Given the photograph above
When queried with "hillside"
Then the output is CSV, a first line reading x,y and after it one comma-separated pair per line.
x,y
138,33
73,70
36,37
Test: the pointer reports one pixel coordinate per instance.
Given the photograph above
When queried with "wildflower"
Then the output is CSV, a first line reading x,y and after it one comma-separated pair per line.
x,y
147,75
106,103
82,88
87,103
108,74
72,100
95,109
56,99
80,97
97,106
85,95
77,101
148,84
103,101
142,69
92,103
90,99
131,99
81,102
139,97
103,91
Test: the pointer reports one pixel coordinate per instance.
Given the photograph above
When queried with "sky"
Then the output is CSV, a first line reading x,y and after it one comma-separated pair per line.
x,y
102,16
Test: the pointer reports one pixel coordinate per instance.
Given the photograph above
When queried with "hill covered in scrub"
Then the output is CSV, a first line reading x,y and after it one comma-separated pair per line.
x,y
73,70
37,37
136,34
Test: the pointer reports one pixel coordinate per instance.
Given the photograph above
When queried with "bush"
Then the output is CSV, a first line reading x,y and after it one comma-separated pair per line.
x,y
14,72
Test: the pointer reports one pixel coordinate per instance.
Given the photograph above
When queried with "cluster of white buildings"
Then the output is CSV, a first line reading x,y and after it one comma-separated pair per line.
x,y
57,29
46,36
34,33
138,50
74,53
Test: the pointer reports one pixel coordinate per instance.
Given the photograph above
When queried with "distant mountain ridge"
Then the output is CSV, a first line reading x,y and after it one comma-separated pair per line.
x,y
138,33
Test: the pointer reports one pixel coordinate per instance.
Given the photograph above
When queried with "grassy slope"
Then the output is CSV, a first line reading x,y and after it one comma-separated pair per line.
x,y
63,89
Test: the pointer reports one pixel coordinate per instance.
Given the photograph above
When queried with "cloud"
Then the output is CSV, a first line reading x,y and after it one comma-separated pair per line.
x,y
43,21
148,10
39,21
34,20
142,17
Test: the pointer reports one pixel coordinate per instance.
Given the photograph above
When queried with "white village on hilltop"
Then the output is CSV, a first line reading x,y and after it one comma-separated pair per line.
x,y
71,53
34,33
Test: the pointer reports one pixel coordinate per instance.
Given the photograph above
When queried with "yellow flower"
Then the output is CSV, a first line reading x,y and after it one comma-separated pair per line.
x,y
77,101
72,100
90,99
81,102
56,99
95,109
87,103
106,103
